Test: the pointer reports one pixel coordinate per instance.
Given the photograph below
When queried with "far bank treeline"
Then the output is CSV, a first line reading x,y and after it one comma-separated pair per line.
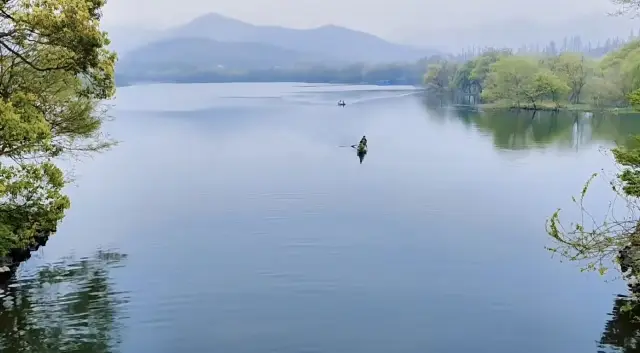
x,y
500,78
358,73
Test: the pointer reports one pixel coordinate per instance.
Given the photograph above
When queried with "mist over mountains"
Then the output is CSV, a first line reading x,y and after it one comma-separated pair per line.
x,y
216,45
507,33
211,34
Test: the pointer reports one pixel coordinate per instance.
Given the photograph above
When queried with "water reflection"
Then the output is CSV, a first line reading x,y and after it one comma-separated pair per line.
x,y
361,155
517,130
523,130
67,307
622,332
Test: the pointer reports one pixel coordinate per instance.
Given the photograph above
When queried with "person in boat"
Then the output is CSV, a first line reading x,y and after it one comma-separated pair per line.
x,y
363,141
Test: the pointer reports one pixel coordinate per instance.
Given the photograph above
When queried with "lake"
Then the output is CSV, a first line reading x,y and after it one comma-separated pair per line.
x,y
231,218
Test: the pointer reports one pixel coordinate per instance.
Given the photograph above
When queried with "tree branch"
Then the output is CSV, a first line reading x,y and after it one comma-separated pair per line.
x,y
28,62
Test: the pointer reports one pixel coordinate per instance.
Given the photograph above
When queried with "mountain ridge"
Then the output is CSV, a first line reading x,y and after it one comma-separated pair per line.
x,y
339,42
208,54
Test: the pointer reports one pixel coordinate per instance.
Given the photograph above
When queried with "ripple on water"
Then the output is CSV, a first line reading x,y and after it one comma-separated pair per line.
x,y
63,307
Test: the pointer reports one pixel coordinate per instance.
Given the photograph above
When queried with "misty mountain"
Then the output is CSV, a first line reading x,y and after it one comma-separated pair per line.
x,y
202,54
330,41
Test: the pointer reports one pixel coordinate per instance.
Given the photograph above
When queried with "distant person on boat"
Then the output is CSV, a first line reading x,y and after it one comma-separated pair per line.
x,y
363,142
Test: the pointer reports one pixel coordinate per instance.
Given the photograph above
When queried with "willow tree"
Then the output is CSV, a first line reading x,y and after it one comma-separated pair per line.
x,y
518,79
55,71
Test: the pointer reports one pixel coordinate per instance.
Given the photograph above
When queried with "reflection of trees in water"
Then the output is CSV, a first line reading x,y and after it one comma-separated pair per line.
x,y
622,331
525,129
67,307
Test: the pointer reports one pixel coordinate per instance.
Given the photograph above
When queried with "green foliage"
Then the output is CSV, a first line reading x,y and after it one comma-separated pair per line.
x,y
573,69
592,247
511,78
596,243
602,92
462,77
615,239
482,66
521,79
634,99
32,202
616,57
54,72
548,85
440,75
528,81
622,69
629,159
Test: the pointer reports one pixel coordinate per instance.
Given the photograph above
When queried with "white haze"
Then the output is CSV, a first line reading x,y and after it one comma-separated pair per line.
x,y
447,24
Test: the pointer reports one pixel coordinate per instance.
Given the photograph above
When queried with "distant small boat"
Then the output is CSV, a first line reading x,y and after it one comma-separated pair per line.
x,y
342,103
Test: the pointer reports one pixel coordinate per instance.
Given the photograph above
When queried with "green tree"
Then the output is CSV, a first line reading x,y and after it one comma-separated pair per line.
x,y
573,69
462,77
511,79
439,79
634,98
54,71
594,243
440,75
602,91
518,79
546,84
482,66
622,68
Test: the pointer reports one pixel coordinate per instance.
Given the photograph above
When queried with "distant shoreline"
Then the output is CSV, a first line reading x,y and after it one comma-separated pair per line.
x,y
141,83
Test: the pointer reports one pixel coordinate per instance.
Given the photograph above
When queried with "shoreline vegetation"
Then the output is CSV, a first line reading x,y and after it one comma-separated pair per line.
x,y
498,78
168,61
12,259
611,82
357,74
50,103
547,107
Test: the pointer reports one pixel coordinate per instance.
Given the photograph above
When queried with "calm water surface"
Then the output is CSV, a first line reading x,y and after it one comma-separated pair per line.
x,y
230,220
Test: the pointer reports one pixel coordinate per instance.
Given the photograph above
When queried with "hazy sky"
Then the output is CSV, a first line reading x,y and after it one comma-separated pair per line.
x,y
382,17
